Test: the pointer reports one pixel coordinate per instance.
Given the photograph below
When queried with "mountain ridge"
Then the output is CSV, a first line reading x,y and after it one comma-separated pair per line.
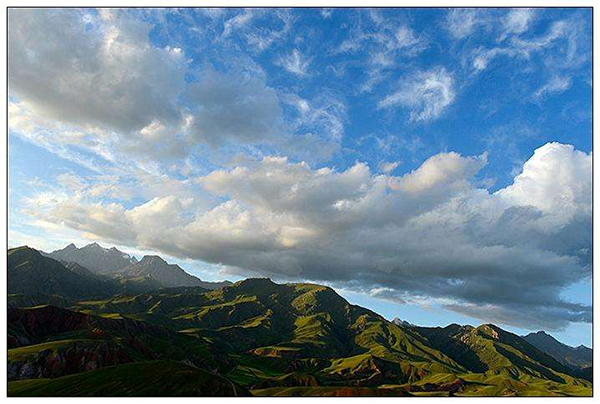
x,y
578,357
264,337
170,275
116,263
94,257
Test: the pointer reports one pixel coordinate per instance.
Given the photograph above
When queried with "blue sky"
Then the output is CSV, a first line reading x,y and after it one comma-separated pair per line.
x,y
431,164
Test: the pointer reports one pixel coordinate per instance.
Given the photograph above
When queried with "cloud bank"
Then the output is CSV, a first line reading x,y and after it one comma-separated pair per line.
x,y
428,235
96,73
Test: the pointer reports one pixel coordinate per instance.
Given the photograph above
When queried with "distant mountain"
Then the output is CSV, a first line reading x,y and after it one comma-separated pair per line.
x,y
30,273
112,262
578,358
170,275
94,257
35,279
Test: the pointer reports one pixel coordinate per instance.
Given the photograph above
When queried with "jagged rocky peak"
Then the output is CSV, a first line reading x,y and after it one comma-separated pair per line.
x,y
94,246
94,257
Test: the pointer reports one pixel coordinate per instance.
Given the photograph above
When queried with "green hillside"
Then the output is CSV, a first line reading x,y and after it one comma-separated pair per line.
x,y
257,337
30,273
152,379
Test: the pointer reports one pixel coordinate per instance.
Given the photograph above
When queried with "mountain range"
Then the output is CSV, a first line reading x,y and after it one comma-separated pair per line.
x,y
579,359
94,257
253,337
115,263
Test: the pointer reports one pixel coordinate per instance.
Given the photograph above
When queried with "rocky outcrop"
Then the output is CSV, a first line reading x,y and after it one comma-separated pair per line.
x,y
76,357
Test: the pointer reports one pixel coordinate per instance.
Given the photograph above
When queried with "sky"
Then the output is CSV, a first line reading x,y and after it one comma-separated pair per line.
x,y
430,164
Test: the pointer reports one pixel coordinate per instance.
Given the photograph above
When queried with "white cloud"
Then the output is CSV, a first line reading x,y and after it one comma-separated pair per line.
x,y
63,70
261,38
71,182
104,87
232,107
326,12
556,85
324,113
406,39
484,56
383,46
388,166
213,13
428,234
566,38
517,21
426,93
462,22
442,170
557,178
238,22
388,41
295,63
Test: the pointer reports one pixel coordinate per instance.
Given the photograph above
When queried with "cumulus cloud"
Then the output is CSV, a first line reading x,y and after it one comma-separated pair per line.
x,y
426,93
556,178
97,75
101,74
232,107
426,236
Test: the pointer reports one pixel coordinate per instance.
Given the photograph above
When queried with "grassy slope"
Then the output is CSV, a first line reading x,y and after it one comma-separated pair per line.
x,y
156,378
284,339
